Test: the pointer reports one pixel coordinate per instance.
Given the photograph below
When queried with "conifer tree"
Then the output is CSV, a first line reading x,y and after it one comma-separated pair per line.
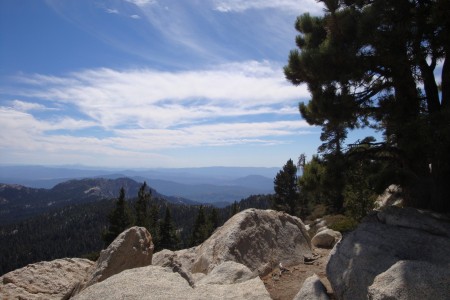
x,y
376,63
168,234
213,221
286,189
119,219
234,209
154,223
142,207
200,230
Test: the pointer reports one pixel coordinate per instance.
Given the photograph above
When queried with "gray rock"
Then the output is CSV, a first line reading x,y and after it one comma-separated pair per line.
x,y
410,280
379,242
169,259
154,282
258,239
228,272
131,249
45,280
326,238
390,197
312,289
184,258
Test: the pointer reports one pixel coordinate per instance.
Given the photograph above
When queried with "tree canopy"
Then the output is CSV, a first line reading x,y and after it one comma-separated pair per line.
x,y
286,189
377,64
120,219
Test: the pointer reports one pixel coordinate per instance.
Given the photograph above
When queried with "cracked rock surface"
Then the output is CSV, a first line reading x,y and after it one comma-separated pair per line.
x,y
54,279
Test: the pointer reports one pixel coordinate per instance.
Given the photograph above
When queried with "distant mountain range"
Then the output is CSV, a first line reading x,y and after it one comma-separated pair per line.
x,y
217,185
18,202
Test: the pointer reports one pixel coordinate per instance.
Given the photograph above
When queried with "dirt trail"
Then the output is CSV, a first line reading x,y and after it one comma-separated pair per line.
x,y
286,286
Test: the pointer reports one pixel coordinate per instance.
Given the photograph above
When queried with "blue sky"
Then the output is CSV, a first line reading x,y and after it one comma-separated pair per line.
x,y
150,83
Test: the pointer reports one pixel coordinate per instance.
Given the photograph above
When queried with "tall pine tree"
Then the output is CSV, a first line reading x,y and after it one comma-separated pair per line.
x,y
168,237
119,219
142,206
286,189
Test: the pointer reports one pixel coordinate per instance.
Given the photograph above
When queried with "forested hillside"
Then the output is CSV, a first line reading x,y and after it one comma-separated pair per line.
x,y
19,203
76,229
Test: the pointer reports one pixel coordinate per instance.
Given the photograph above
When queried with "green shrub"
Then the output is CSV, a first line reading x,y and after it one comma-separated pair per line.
x,y
341,223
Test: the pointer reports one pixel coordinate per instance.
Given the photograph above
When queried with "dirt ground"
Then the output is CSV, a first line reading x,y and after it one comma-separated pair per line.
x,y
286,286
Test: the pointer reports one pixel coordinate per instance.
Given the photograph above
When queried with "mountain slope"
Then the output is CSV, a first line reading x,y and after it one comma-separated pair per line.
x,y
19,202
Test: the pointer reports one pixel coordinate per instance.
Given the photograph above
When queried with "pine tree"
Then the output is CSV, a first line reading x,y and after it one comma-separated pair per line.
x,y
142,206
373,64
286,189
234,208
213,221
154,223
168,234
200,230
119,219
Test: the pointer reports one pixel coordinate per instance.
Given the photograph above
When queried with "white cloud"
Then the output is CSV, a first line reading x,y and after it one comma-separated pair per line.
x,y
112,11
142,113
29,106
142,3
135,17
293,6
150,98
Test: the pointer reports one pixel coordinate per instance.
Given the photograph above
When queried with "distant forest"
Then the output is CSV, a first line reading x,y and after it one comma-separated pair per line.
x,y
76,230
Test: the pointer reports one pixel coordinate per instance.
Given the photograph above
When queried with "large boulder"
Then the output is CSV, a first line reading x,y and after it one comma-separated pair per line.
x,y
155,282
45,280
408,279
381,241
312,289
228,272
326,238
258,239
133,248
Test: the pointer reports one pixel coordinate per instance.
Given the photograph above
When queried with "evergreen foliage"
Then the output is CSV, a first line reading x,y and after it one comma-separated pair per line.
x,y
168,237
373,64
119,219
200,231
142,206
76,230
286,189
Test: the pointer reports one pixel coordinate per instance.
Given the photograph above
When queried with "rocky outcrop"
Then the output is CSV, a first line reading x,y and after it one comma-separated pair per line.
x,y
228,272
131,249
390,197
258,239
372,253
312,289
155,282
326,238
408,279
45,280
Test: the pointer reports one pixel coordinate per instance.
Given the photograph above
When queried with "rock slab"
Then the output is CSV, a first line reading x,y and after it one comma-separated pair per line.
x,y
131,249
408,280
380,242
155,282
258,239
45,280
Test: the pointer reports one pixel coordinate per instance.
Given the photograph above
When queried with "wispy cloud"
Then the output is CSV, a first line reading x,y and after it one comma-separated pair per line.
x,y
146,97
135,17
141,112
142,3
287,5
24,106
112,11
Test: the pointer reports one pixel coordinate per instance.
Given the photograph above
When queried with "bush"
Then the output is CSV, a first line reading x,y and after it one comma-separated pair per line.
x,y
318,211
341,223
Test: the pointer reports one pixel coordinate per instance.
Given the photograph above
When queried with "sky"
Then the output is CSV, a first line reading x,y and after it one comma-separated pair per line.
x,y
151,83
